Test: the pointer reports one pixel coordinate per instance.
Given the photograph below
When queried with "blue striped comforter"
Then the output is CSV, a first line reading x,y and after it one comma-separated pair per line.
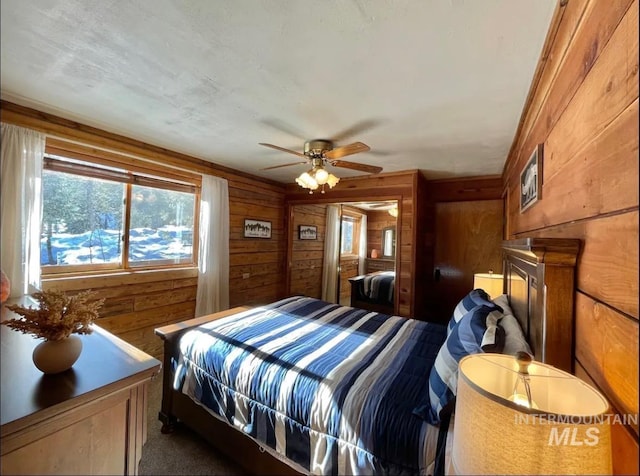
x,y
331,388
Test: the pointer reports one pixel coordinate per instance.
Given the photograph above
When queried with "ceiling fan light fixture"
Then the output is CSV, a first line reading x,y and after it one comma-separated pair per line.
x,y
315,178
321,176
332,180
307,180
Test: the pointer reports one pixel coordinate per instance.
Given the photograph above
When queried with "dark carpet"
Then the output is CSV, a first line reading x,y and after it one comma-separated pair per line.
x,y
180,452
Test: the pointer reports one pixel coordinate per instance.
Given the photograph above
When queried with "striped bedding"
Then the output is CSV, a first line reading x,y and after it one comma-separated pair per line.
x,y
330,388
378,286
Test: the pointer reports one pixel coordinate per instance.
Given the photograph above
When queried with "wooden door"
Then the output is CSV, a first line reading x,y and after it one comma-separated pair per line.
x,y
468,241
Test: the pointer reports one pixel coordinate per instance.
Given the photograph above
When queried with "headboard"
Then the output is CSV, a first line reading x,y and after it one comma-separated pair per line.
x,y
539,281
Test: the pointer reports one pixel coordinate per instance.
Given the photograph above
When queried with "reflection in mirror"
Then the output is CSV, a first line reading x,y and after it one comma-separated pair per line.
x,y
389,242
343,249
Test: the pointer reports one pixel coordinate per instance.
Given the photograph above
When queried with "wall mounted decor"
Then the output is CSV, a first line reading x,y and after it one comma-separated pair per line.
x,y
257,229
307,232
531,180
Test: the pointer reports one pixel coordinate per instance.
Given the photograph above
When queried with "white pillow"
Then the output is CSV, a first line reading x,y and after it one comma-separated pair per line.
x,y
514,340
503,302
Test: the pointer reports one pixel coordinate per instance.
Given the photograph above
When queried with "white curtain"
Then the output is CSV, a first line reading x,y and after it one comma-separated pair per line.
x,y
213,261
331,255
362,250
21,190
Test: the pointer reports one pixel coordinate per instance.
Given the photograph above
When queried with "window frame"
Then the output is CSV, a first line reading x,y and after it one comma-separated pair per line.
x,y
130,171
355,242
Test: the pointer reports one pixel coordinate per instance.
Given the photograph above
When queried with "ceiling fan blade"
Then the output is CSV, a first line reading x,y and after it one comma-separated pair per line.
x,y
283,127
285,165
283,149
355,129
371,169
343,151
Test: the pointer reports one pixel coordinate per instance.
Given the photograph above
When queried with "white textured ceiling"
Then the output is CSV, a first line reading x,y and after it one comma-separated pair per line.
x,y
437,85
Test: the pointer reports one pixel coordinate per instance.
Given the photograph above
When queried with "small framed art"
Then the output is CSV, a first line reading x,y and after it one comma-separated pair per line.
x,y
257,229
531,180
307,232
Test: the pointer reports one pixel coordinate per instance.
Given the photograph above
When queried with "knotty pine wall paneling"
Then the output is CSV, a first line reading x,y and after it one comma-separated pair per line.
x,y
137,302
377,220
307,256
256,265
583,107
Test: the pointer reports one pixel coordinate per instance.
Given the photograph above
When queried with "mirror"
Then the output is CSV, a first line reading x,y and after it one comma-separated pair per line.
x,y
389,242
352,239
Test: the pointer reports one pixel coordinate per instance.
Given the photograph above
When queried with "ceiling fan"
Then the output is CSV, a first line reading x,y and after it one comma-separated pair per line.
x,y
321,152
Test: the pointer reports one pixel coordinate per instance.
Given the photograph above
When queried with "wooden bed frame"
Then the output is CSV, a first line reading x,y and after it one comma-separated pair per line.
x,y
539,281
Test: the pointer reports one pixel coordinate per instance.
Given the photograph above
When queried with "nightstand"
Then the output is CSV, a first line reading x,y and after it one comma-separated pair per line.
x,y
90,419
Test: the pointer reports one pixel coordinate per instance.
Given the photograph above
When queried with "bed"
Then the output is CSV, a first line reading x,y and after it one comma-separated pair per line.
x,y
374,291
346,395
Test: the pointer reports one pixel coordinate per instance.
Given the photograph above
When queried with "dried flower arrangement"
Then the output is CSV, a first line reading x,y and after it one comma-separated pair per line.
x,y
58,315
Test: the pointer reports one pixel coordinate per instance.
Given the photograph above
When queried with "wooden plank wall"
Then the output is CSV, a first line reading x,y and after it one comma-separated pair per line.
x,y
256,265
307,256
583,106
376,222
348,269
140,301
399,186
137,303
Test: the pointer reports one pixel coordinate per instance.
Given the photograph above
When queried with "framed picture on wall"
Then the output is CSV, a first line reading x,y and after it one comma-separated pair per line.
x,y
257,229
531,180
307,232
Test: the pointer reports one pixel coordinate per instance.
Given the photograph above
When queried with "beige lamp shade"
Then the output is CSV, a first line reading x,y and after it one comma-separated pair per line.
x,y
569,433
490,282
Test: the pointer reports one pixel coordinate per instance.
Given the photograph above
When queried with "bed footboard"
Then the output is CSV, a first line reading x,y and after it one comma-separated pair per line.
x,y
178,408
172,403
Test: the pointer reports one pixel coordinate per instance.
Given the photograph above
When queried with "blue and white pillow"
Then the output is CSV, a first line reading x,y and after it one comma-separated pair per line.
x,y
477,297
468,336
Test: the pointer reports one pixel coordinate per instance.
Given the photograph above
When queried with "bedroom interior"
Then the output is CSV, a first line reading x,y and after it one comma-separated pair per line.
x,y
580,102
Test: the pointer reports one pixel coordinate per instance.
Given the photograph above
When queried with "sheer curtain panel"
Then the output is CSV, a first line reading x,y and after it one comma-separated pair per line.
x,y
331,255
21,202
213,256
362,249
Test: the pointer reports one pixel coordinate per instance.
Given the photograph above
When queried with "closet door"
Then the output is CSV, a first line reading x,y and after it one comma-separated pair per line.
x,y
468,241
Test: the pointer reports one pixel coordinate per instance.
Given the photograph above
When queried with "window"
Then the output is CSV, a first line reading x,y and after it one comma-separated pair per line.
x,y
350,233
347,239
108,215
389,242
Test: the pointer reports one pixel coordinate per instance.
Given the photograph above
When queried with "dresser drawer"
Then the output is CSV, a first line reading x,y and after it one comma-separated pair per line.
x,y
380,265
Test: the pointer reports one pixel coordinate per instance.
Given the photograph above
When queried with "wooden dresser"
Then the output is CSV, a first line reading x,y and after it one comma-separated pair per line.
x,y
90,419
380,264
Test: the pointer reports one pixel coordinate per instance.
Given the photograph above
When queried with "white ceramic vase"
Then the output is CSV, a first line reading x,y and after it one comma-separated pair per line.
x,y
55,356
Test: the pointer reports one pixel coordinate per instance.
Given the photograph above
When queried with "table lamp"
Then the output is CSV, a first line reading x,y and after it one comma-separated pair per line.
x,y
490,282
518,416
